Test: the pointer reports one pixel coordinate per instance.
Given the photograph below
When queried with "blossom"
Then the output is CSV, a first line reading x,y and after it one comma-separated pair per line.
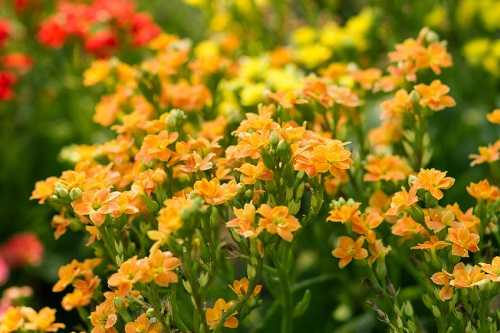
x,y
11,320
95,204
462,241
433,243
483,190
407,227
214,315
314,158
399,104
400,201
488,154
244,221
142,324
434,96
492,270
44,320
348,249
433,181
494,116
130,272
443,279
388,168
214,193
277,220
104,317
240,287
156,147
161,268
22,249
252,173
344,212
466,276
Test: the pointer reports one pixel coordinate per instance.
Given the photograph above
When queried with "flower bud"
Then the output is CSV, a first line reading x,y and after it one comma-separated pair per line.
x,y
75,193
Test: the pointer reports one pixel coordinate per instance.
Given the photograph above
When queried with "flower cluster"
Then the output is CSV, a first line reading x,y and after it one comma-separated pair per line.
x,y
102,26
13,64
221,165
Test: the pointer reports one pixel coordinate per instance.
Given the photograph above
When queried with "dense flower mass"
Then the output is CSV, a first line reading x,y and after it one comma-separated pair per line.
x,y
219,160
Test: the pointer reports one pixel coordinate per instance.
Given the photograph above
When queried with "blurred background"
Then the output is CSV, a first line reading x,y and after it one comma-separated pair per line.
x,y
44,106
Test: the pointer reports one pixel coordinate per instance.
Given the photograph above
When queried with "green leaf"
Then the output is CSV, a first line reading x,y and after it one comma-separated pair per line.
x,y
302,305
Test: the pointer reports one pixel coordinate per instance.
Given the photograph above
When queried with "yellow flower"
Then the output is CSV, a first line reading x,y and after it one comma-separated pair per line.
x,y
494,116
43,321
97,72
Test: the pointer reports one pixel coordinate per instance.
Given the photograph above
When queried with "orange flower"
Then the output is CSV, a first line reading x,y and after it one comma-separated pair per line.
x,y
155,147
437,219
433,181
463,241
367,77
468,218
483,190
251,173
400,201
443,279
388,168
185,96
43,321
407,227
243,224
492,270
377,250
169,218
214,315
488,154
214,193
348,249
344,212
11,320
432,244
68,273
129,273
314,157
82,295
494,116
161,268
434,96
364,224
396,106
438,57
44,189
466,276
60,223
240,287
94,204
142,324
277,220
104,317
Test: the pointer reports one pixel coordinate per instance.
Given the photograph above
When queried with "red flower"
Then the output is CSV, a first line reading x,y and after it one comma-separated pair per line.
x,y
17,61
52,34
22,249
101,44
5,30
4,271
6,81
143,29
